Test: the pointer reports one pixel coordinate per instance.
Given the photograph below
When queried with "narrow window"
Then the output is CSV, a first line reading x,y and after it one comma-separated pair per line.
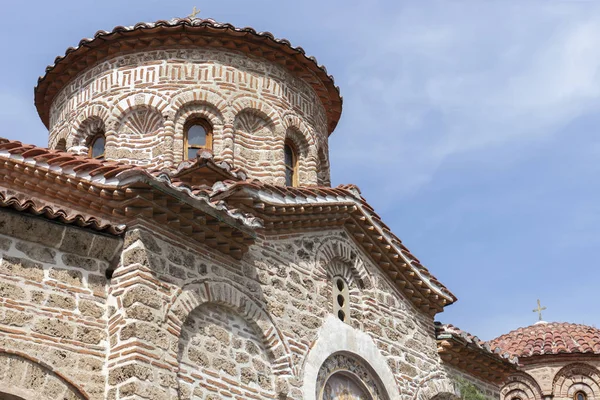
x,y
96,146
580,396
198,135
341,306
291,165
61,145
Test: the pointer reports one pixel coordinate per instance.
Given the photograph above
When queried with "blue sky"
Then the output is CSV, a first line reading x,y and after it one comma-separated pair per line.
x,y
470,126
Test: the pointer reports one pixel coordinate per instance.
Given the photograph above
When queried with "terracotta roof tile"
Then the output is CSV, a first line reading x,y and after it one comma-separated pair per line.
x,y
549,338
445,330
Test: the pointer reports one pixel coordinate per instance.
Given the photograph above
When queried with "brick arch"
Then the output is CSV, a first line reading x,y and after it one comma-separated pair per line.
x,y
581,387
96,109
86,129
521,385
291,120
197,108
334,255
259,107
437,386
193,295
129,101
28,378
576,373
200,94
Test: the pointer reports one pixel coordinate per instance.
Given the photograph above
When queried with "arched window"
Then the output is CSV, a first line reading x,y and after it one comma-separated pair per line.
x,y
197,135
291,164
340,299
580,396
342,386
96,146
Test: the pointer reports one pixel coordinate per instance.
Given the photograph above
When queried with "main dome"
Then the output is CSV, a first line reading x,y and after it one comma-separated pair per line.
x,y
545,338
185,32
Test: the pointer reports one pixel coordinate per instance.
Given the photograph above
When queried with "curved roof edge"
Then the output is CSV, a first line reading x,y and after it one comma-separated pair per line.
x,y
549,338
84,55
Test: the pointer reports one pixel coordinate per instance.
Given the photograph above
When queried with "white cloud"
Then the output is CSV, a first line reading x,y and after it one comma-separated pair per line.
x,y
438,82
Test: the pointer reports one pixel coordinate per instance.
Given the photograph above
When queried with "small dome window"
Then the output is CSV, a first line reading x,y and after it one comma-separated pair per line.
x,y
580,396
198,135
291,164
96,146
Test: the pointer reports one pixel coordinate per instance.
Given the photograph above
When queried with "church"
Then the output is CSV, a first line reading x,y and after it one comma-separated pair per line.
x,y
179,238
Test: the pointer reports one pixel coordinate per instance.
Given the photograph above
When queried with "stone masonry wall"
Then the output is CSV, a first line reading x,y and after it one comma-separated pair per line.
x,y
53,312
143,100
556,376
179,297
180,321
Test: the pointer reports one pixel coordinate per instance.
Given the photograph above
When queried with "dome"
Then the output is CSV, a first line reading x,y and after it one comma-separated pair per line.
x,y
545,338
182,33
153,94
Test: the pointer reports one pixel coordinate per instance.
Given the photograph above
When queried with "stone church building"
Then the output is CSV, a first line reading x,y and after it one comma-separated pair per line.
x,y
179,239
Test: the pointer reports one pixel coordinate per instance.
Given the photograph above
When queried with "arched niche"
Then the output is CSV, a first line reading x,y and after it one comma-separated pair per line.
x,y
574,376
23,378
339,348
254,140
345,376
521,386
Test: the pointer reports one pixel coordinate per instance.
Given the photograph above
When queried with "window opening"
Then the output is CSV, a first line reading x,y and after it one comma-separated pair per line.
x,y
61,145
340,299
198,135
96,147
580,396
291,164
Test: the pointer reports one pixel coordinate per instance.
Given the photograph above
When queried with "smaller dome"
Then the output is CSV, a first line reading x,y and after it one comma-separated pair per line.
x,y
549,338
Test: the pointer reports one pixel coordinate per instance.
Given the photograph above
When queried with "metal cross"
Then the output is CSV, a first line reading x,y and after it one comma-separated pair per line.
x,y
539,309
194,13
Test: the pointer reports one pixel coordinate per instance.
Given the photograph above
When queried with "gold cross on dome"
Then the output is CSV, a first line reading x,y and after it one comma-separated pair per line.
x,y
194,13
539,309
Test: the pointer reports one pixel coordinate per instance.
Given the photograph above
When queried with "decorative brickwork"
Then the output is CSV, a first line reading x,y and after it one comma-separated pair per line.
x,y
356,372
251,104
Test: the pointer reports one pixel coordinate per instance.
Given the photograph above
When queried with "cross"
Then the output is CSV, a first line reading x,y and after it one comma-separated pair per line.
x,y
194,13
539,309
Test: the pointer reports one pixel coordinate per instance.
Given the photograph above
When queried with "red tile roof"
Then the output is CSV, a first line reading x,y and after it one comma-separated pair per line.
x,y
468,353
549,338
106,195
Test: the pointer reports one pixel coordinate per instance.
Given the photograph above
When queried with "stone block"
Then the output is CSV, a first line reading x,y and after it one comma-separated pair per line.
x,y
90,309
72,260
5,243
67,276
89,335
142,294
16,318
54,327
25,268
8,290
122,373
37,252
97,283
30,228
76,241
65,302
147,332
105,248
